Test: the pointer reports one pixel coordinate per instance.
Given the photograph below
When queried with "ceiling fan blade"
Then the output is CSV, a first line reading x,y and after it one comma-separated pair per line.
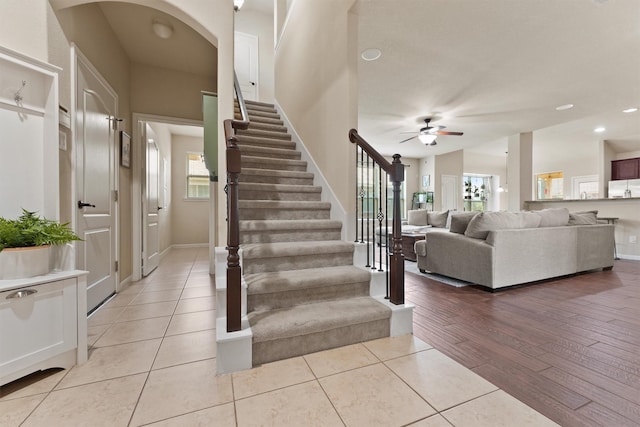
x,y
408,139
444,132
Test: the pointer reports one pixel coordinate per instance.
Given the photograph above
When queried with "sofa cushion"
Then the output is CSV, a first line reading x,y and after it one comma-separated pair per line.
x,y
583,218
437,219
484,222
554,217
460,221
417,217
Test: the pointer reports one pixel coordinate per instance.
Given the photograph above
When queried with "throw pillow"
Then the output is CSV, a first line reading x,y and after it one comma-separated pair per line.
x,y
484,222
437,219
460,221
417,217
583,218
529,219
554,217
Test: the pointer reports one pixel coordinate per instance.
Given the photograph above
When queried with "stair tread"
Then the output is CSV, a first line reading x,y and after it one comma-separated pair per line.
x,y
282,249
288,188
260,133
288,224
316,317
280,281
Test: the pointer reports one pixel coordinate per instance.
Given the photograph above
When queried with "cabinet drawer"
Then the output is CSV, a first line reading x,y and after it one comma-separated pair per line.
x,y
37,324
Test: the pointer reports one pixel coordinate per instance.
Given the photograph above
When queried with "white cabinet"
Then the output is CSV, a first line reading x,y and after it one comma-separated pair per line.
x,y
43,323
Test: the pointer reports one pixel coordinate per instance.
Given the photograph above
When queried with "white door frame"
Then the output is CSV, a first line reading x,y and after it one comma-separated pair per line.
x,y
138,171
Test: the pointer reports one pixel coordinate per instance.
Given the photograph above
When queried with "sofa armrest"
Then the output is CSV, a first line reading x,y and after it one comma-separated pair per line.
x,y
460,257
595,246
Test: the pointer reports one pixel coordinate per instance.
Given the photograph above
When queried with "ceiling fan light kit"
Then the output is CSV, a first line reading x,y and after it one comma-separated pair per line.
x,y
427,139
428,134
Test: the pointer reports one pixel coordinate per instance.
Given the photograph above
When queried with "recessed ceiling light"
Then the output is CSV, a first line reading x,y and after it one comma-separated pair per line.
x,y
371,54
162,29
630,110
599,129
564,107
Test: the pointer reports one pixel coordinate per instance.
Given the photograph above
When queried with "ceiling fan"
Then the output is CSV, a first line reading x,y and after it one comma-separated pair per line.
x,y
428,134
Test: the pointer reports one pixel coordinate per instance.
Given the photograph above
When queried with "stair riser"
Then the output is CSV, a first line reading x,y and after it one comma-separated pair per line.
x,y
251,108
265,179
249,150
257,164
261,119
257,111
263,265
302,214
267,127
263,236
291,298
269,351
279,195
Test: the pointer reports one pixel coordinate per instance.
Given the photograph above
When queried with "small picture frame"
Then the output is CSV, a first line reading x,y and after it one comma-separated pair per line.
x,y
426,181
125,149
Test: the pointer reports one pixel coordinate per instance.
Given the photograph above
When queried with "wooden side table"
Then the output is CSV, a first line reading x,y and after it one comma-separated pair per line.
x,y
408,240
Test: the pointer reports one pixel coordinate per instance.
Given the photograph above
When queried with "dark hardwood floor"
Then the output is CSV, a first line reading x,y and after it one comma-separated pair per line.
x,y
569,348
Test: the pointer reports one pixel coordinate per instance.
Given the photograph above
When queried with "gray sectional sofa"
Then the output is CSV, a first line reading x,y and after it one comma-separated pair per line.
x,y
499,249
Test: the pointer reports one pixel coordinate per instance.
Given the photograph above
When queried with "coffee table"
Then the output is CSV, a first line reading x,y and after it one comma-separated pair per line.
x,y
408,240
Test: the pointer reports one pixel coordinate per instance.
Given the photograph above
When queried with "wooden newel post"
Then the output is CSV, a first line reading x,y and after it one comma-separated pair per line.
x,y
396,267
234,272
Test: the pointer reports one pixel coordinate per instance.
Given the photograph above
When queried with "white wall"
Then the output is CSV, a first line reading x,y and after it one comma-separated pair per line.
x,y
168,93
572,158
190,218
260,25
316,86
448,164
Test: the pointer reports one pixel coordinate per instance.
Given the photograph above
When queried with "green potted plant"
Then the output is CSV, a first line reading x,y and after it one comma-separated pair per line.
x,y
25,242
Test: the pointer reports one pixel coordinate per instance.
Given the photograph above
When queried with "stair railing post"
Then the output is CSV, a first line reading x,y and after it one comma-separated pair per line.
x,y
234,272
395,172
397,259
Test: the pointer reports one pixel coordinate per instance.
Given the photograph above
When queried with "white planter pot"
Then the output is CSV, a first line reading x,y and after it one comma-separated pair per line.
x,y
18,263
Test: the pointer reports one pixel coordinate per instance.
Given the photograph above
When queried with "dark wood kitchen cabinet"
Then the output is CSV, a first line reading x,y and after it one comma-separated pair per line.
x,y
625,169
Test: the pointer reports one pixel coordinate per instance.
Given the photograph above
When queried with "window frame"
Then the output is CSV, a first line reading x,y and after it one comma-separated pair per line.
x,y
189,176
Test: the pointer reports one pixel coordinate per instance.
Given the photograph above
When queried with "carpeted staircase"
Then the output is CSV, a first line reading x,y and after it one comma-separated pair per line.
x,y
303,292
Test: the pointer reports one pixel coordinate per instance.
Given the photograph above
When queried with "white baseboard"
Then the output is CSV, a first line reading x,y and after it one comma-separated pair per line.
x,y
189,245
629,257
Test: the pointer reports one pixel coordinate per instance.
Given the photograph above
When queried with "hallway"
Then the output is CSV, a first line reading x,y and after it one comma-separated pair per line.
x,y
152,361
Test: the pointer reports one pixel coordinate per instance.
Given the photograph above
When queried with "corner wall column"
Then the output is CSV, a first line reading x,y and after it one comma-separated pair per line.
x,y
520,170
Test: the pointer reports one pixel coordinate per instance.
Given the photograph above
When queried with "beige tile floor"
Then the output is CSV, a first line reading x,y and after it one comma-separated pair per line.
x,y
152,362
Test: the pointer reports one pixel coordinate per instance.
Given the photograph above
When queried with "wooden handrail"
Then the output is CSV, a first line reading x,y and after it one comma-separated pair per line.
x,y
395,170
234,167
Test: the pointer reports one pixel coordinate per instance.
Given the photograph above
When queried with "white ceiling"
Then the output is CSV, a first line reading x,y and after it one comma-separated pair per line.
x,y
495,68
185,50
488,68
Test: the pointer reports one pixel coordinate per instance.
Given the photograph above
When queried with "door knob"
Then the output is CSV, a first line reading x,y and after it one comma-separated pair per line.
x,y
253,83
82,204
160,207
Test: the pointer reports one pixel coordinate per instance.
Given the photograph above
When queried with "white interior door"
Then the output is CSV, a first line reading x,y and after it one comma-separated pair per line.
x,y
450,192
96,166
246,64
151,204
